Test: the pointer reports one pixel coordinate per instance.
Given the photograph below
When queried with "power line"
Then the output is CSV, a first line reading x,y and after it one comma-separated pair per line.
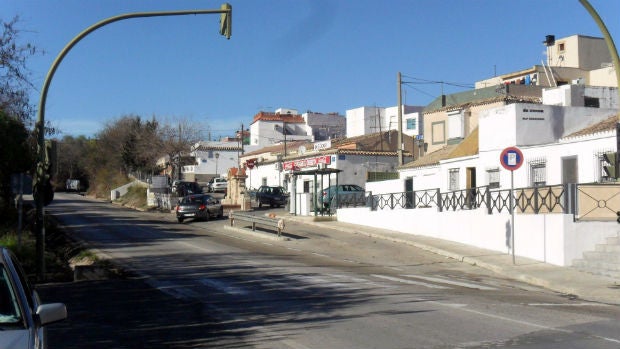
x,y
420,81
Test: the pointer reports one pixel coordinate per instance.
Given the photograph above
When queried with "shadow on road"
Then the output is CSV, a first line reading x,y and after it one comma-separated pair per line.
x,y
127,313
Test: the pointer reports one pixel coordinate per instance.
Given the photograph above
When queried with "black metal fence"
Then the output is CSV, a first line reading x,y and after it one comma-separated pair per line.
x,y
584,201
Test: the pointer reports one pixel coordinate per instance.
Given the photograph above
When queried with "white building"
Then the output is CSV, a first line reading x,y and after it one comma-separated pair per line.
x,y
358,159
368,120
560,144
213,159
323,126
285,125
575,57
412,120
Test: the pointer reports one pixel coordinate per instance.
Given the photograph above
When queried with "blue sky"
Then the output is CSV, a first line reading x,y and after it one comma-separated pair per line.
x,y
319,55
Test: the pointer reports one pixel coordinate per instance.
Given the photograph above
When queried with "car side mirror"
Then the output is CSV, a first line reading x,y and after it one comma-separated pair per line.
x,y
50,313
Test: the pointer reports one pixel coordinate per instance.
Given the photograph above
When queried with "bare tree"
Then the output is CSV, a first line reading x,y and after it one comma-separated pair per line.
x,y
16,112
14,76
176,142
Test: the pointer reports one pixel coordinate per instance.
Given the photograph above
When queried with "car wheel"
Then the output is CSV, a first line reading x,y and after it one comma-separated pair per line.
x,y
260,204
180,219
221,213
207,215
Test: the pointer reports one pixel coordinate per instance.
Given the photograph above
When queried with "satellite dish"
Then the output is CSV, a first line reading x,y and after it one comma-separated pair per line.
x,y
301,150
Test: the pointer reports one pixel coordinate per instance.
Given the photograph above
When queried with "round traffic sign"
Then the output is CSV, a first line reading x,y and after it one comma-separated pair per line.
x,y
511,158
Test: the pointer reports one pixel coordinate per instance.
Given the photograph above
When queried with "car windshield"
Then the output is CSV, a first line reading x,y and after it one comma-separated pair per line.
x,y
192,199
10,313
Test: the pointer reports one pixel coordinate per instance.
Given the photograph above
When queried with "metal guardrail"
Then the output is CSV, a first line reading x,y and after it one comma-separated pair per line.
x,y
253,220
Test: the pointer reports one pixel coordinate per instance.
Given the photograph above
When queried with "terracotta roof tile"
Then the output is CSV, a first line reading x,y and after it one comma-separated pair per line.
x,y
288,118
603,126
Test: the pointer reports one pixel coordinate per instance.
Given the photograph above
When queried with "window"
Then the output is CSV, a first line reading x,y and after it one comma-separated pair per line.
x,y
9,307
412,124
591,102
538,173
438,132
493,178
561,47
456,124
602,168
453,179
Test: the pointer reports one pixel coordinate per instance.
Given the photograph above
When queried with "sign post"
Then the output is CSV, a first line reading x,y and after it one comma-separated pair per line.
x,y
511,159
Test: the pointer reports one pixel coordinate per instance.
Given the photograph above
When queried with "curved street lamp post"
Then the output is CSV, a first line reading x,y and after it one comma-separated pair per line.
x,y
225,12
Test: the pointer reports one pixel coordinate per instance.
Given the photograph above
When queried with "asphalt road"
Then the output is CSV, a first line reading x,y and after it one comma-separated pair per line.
x,y
200,284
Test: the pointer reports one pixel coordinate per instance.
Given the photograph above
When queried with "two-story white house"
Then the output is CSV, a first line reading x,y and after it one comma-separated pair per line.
x,y
213,159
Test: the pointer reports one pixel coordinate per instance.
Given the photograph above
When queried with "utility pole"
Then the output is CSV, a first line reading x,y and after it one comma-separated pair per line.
x,y
242,150
400,120
284,131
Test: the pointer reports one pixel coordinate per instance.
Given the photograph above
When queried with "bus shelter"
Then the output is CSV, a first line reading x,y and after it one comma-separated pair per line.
x,y
316,174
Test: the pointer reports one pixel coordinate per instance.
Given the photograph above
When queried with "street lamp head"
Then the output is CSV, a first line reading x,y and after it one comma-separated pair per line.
x,y
226,20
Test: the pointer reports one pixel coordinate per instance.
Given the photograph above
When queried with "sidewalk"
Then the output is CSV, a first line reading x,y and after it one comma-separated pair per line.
x,y
566,280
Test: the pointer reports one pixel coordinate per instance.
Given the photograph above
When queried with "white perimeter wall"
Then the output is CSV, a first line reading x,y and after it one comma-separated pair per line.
x,y
549,238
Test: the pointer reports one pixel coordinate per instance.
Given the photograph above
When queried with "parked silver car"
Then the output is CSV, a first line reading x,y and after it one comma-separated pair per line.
x,y
22,316
199,206
217,185
345,193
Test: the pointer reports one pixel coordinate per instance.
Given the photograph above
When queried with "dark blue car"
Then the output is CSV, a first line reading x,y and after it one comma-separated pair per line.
x,y
274,196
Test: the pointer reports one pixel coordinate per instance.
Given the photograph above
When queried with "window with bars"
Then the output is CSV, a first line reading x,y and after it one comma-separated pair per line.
x,y
453,178
493,178
601,168
538,173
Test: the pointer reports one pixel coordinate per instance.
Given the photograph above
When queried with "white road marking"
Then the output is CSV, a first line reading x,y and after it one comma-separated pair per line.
x,y
409,282
452,282
526,323
567,305
222,286
294,344
320,281
359,280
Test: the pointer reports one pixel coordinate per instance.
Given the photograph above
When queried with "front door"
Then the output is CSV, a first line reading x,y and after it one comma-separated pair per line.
x,y
569,170
409,192
471,187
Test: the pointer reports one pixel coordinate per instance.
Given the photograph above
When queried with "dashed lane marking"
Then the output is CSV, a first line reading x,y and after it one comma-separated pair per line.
x,y
452,282
409,282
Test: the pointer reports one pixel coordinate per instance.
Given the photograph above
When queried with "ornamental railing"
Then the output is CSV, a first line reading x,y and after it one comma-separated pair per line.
x,y
584,201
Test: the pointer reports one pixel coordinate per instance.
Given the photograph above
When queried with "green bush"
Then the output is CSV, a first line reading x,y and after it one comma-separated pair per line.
x,y
57,251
